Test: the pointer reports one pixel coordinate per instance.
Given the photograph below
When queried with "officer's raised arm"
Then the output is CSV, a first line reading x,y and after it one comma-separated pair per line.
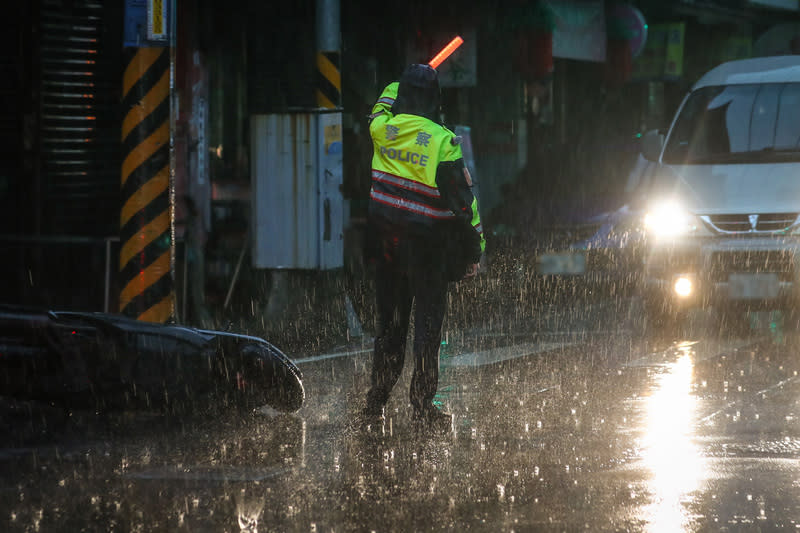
x,y
383,107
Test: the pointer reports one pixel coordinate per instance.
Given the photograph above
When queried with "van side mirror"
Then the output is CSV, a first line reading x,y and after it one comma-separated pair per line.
x,y
652,142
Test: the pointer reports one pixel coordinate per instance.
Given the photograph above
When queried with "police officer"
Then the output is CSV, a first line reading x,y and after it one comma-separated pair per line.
x,y
425,231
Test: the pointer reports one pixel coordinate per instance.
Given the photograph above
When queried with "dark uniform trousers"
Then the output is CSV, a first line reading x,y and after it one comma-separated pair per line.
x,y
410,270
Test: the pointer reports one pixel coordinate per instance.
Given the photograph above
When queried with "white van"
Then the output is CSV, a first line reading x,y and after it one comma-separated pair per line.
x,y
723,210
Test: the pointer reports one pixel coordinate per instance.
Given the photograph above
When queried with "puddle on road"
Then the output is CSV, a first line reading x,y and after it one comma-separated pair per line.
x,y
668,448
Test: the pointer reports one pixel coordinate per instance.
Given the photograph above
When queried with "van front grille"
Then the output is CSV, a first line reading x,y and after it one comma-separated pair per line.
x,y
755,223
775,221
733,223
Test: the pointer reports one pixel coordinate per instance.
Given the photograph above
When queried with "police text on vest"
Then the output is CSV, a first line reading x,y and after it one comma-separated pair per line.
x,y
404,155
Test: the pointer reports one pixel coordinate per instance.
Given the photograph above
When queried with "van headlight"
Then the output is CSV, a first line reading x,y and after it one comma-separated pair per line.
x,y
667,220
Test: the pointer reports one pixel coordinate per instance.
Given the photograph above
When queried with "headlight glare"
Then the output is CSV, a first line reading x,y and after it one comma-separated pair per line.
x,y
683,286
667,219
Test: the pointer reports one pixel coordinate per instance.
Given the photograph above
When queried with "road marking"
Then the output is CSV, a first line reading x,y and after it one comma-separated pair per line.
x,y
480,358
709,418
504,353
333,355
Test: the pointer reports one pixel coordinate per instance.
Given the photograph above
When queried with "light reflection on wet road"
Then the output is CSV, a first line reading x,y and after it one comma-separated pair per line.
x,y
602,431
668,449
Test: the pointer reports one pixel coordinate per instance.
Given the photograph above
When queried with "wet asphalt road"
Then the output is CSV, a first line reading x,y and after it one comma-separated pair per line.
x,y
571,424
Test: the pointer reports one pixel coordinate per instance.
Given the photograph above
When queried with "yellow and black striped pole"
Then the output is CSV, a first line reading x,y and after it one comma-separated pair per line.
x,y
329,80
328,76
145,260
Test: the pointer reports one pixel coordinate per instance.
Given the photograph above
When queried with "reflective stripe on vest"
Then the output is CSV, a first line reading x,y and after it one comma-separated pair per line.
x,y
409,205
405,183
408,195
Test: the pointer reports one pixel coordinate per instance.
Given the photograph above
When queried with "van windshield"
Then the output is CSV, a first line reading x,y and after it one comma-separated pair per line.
x,y
737,123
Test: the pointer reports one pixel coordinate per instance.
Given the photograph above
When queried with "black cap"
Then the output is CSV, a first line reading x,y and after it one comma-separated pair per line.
x,y
419,75
418,92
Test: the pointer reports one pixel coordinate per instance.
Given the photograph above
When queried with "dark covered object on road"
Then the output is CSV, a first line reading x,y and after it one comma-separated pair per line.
x,y
106,361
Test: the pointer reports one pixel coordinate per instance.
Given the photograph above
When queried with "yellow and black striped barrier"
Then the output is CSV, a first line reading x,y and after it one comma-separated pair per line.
x,y
329,80
145,259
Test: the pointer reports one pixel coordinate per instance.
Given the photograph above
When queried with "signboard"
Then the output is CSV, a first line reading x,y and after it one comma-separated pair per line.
x,y
634,22
580,31
157,28
662,57
332,138
146,23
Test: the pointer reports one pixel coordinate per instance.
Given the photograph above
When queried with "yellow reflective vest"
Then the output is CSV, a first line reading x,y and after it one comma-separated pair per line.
x,y
418,172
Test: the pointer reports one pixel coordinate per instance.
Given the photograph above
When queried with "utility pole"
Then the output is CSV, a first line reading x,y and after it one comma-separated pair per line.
x,y
146,260
329,78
